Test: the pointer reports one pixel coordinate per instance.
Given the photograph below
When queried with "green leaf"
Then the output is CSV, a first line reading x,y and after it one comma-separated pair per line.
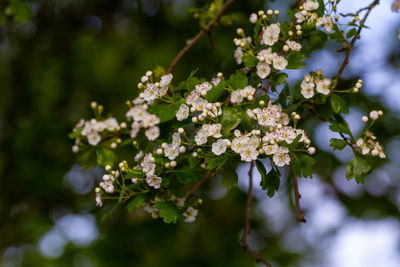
x,y
230,119
238,80
216,92
351,33
21,10
168,211
105,156
165,112
337,144
229,175
277,78
270,181
87,158
295,60
134,174
302,165
250,61
339,125
358,168
338,104
217,162
135,203
109,212
188,174
321,8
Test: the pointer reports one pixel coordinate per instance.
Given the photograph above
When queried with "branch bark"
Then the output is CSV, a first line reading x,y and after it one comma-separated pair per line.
x,y
204,30
196,187
297,196
247,229
351,44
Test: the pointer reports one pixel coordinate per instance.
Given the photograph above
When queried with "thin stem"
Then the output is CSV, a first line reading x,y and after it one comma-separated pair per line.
x,y
247,230
207,175
297,196
351,44
204,30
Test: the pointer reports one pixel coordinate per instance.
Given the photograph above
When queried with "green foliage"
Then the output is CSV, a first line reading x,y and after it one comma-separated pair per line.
x,y
105,156
278,78
303,165
339,125
338,104
188,174
214,94
338,144
136,202
358,168
20,10
166,112
168,211
238,80
217,162
229,176
270,181
295,60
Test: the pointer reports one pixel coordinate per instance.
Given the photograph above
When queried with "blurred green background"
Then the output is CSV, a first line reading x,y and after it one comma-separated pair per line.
x,y
73,52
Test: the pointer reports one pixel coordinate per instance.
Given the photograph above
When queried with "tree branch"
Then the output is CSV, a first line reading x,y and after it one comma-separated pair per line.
x,y
351,44
207,175
204,30
297,196
247,229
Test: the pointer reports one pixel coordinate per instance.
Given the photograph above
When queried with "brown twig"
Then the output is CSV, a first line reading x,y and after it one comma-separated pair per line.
x,y
351,44
207,175
297,196
204,30
247,230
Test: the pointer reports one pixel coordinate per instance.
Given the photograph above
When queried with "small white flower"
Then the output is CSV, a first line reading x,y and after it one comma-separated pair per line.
x,y
182,113
238,55
98,200
307,89
280,63
150,92
190,214
249,153
281,158
152,133
107,186
263,70
111,124
328,24
323,86
154,181
374,115
293,45
171,152
239,143
135,129
270,34
310,5
219,147
93,138
166,80
270,149
236,97
253,18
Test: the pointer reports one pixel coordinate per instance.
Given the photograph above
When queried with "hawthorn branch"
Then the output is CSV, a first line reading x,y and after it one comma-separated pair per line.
x,y
196,187
204,30
247,230
351,44
297,196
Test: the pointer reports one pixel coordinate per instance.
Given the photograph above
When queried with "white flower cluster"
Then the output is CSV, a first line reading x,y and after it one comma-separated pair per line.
x,y
306,14
152,91
321,85
369,145
248,92
149,168
108,182
93,128
207,130
143,119
171,151
267,58
195,103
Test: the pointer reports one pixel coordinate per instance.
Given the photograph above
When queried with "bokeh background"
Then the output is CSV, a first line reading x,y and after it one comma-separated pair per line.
x,y
75,51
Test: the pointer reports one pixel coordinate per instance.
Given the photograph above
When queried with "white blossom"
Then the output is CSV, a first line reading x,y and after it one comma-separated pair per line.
x,y
152,133
310,5
270,34
263,70
238,55
219,147
190,215
154,181
323,86
93,138
281,157
253,18
182,113
280,63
